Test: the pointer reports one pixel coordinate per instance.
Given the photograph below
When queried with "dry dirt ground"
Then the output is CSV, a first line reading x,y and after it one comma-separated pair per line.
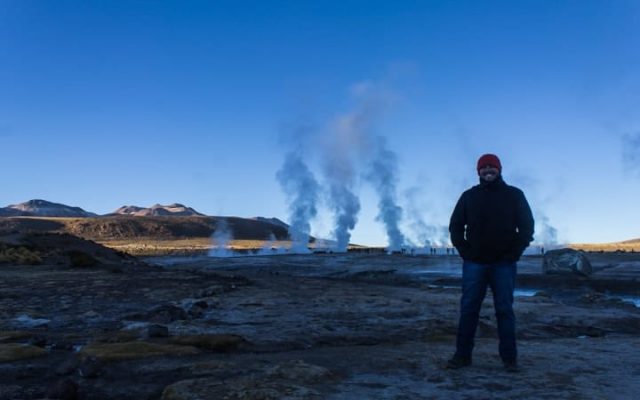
x,y
349,326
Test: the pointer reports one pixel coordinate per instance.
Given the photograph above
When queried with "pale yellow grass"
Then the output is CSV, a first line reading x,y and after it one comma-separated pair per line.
x,y
151,246
607,247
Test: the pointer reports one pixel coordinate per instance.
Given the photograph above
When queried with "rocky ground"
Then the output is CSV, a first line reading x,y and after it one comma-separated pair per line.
x,y
351,326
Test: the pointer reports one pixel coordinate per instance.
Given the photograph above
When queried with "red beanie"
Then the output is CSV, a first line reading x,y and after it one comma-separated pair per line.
x,y
489,159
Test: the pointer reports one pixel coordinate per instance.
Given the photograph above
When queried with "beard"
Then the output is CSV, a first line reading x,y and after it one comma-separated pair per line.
x,y
489,177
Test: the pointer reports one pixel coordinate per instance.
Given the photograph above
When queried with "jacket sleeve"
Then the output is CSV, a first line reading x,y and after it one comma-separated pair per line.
x,y
457,226
525,225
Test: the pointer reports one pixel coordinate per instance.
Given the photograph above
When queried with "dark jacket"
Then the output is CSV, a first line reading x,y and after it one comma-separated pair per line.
x,y
491,222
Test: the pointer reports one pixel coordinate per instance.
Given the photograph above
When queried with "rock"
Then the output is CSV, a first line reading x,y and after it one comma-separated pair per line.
x,y
280,382
38,341
157,331
90,368
374,274
299,371
274,391
213,342
592,297
65,389
212,291
198,309
91,314
201,304
64,344
192,389
566,260
166,313
246,389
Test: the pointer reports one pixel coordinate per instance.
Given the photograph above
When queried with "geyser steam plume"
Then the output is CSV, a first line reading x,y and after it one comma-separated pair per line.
x,y
346,206
427,235
301,189
220,239
548,235
342,201
351,136
382,175
345,139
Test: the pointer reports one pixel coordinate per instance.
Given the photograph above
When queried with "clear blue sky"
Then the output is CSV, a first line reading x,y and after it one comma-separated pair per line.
x,y
107,103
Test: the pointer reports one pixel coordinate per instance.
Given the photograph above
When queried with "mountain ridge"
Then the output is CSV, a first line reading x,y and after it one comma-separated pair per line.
x,y
44,208
174,209
131,223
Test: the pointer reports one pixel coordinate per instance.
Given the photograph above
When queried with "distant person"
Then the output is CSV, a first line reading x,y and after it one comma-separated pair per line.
x,y
491,226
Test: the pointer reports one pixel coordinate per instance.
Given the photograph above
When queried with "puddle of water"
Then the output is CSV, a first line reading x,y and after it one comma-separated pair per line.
x,y
133,325
525,292
517,292
25,321
451,272
631,299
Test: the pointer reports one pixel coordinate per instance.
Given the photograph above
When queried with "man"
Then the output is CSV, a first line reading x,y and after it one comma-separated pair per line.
x,y
491,226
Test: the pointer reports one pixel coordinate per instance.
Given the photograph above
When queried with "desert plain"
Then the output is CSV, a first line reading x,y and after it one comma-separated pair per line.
x,y
354,325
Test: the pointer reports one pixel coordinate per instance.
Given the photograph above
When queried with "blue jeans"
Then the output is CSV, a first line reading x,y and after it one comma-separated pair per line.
x,y
500,277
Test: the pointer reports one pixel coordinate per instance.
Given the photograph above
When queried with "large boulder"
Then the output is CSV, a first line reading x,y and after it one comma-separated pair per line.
x,y
566,261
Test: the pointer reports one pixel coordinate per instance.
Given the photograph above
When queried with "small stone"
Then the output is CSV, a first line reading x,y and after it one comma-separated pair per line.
x,y
196,310
91,314
68,367
167,313
62,345
212,342
157,331
211,291
90,368
201,304
38,341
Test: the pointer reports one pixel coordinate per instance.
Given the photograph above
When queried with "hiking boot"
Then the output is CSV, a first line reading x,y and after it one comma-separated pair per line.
x,y
457,362
511,366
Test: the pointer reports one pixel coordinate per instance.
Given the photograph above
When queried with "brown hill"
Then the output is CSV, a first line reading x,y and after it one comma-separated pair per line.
x,y
10,212
158,228
274,221
58,248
